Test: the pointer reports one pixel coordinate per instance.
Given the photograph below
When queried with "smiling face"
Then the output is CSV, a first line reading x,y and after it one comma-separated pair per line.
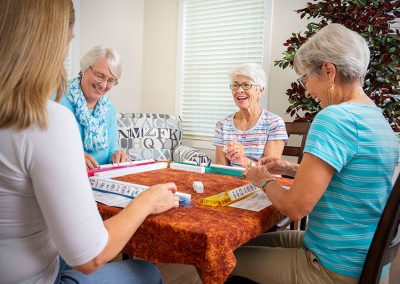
x,y
246,99
92,88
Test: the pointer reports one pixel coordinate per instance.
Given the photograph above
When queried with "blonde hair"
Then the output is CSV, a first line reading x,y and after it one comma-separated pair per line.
x,y
34,37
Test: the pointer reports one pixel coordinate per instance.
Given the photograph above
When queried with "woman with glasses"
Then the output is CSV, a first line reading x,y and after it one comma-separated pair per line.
x,y
343,181
252,132
95,114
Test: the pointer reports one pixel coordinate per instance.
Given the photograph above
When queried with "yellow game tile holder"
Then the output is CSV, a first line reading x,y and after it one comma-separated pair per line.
x,y
227,197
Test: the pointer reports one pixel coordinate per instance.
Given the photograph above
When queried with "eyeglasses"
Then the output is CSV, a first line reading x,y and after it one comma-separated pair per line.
x,y
302,79
100,78
245,86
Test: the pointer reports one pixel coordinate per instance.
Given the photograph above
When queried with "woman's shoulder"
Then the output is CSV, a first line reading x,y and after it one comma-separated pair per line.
x,y
270,117
337,118
58,111
65,102
59,117
112,109
345,111
112,106
226,119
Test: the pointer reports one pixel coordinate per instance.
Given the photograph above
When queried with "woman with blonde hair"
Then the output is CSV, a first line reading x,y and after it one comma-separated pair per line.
x,y
47,209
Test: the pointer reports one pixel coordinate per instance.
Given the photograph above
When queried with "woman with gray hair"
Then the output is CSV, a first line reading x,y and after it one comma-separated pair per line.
x,y
242,138
95,114
343,181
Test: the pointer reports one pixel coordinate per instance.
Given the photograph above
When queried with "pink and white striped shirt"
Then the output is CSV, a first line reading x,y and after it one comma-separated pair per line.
x,y
268,127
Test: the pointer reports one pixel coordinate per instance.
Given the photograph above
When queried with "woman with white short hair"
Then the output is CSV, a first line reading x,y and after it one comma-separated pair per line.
x,y
95,114
245,136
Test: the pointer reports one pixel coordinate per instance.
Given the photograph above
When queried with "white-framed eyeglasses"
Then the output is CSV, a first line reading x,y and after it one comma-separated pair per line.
x,y
245,86
100,78
302,79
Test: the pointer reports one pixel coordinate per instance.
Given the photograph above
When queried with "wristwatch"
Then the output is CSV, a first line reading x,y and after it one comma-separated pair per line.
x,y
264,183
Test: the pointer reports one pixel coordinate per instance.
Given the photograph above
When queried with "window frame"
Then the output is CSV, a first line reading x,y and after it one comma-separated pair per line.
x,y
206,142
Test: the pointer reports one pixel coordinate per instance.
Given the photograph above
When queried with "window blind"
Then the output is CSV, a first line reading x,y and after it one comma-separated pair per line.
x,y
218,35
68,64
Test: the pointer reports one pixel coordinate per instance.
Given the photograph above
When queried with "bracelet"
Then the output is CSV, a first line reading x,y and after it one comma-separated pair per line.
x,y
264,183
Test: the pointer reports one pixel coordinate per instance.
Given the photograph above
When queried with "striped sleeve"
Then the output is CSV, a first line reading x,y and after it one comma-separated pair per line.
x,y
277,129
218,134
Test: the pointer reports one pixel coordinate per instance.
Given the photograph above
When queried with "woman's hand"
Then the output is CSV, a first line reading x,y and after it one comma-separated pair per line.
x,y
235,152
91,162
159,198
257,174
278,167
274,166
119,156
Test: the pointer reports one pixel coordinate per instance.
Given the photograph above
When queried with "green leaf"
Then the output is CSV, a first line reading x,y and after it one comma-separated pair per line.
x,y
382,81
286,64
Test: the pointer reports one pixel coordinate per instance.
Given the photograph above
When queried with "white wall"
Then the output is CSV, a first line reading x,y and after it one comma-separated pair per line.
x,y
285,21
160,55
118,24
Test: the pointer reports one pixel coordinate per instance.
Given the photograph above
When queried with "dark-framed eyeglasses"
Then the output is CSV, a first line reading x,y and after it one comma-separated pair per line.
x,y
245,86
100,78
302,79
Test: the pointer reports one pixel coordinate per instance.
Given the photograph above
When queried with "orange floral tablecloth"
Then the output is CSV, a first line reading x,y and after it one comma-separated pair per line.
x,y
200,235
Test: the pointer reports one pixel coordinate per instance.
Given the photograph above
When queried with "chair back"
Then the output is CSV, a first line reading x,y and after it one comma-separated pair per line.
x,y
386,240
299,128
296,128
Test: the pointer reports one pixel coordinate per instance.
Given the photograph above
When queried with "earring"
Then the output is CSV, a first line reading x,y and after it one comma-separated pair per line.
x,y
332,89
331,92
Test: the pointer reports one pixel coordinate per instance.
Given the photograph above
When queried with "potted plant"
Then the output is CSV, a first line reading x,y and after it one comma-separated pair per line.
x,y
373,19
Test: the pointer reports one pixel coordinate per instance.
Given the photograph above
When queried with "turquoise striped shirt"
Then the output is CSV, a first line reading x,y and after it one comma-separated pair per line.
x,y
359,144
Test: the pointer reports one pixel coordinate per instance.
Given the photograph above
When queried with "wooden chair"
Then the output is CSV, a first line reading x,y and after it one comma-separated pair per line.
x,y
296,128
386,240
300,129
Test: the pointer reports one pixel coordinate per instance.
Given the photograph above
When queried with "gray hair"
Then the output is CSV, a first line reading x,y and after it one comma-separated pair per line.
x,y
252,70
334,43
99,51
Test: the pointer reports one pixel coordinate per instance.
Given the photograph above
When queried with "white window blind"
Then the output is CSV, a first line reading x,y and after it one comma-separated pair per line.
x,y
217,36
68,64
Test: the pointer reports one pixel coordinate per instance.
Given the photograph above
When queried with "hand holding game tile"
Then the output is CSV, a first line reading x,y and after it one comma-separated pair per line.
x,y
158,198
235,151
257,174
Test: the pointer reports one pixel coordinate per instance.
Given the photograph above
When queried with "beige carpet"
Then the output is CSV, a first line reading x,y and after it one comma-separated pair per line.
x,y
179,273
